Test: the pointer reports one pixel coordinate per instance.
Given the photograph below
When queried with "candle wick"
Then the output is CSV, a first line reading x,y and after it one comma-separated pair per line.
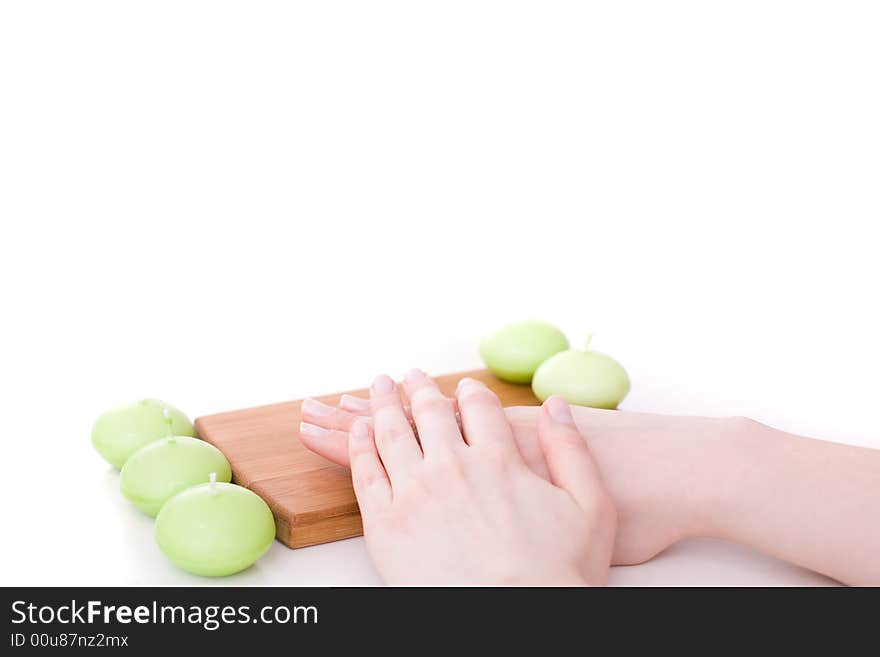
x,y
213,478
588,341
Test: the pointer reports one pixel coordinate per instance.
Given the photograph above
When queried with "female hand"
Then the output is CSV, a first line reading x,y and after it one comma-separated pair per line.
x,y
459,506
803,500
655,467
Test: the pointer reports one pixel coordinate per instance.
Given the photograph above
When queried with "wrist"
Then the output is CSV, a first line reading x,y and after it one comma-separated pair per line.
x,y
660,477
733,467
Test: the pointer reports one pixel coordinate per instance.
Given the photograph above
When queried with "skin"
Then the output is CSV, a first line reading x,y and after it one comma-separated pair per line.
x,y
811,502
459,506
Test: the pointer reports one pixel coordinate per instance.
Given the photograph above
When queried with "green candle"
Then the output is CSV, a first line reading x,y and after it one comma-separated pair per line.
x,y
514,352
122,431
164,467
215,529
585,378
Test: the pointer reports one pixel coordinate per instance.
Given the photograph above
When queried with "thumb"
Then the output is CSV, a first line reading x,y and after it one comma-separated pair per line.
x,y
569,460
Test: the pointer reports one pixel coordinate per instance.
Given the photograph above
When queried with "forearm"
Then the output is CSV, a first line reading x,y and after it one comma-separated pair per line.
x,y
813,503
810,502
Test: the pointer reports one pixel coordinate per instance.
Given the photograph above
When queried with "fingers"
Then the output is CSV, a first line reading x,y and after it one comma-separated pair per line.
x,y
433,414
324,428
332,444
350,409
394,436
368,476
326,416
482,417
356,405
569,460
522,421
361,407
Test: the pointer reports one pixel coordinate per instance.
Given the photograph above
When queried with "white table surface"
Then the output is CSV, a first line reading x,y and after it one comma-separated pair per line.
x,y
231,204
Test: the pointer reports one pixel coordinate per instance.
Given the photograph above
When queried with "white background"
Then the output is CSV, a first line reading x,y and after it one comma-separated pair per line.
x,y
226,204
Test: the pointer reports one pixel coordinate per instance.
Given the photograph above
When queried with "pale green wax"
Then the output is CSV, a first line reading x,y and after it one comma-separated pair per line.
x,y
514,352
215,529
122,431
585,378
164,467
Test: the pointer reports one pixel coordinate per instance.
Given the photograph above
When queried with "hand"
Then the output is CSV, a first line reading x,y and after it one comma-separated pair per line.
x,y
657,468
802,500
458,505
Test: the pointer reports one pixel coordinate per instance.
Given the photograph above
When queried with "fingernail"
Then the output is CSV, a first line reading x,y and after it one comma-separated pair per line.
x,y
315,408
352,403
415,375
559,410
468,381
360,430
312,430
383,384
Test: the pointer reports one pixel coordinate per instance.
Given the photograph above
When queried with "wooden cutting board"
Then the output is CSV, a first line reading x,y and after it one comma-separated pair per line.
x,y
311,497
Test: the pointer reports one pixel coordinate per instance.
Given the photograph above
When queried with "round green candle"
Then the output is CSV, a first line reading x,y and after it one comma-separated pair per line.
x,y
514,352
122,431
164,467
215,529
585,378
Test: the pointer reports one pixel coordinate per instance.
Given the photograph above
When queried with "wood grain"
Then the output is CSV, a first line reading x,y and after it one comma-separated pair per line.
x,y
311,497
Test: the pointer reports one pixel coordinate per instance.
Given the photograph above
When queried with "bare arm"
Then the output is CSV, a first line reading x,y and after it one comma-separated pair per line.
x,y
810,502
